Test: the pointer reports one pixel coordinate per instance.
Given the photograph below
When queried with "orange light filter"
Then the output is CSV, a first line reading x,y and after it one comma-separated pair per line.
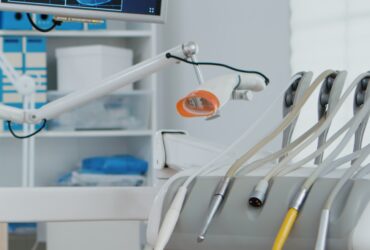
x,y
198,104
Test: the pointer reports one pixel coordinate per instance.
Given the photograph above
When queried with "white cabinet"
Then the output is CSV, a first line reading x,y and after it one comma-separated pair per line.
x,y
57,152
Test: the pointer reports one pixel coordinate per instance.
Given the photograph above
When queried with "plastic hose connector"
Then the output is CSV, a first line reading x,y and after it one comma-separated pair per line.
x,y
258,196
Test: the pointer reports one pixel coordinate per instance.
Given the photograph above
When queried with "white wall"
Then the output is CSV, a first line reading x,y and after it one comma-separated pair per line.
x,y
244,33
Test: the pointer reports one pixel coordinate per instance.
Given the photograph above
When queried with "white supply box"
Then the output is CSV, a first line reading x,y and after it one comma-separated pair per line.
x,y
86,66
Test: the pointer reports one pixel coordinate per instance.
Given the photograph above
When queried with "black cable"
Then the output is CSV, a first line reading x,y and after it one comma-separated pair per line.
x,y
44,122
267,80
36,27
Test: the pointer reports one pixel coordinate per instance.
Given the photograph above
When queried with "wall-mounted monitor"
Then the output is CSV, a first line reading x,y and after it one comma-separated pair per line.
x,y
128,10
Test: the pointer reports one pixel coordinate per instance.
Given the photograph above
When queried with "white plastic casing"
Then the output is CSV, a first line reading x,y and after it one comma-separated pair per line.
x,y
222,87
170,219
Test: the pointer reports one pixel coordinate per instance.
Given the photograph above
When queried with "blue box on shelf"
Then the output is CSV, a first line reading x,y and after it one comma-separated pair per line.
x,y
14,21
97,26
70,26
12,44
36,45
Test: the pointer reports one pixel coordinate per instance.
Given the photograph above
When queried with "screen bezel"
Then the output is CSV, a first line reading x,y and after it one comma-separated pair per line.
x,y
88,14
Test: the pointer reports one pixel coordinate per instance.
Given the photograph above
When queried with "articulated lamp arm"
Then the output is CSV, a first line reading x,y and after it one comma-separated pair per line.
x,y
24,84
113,83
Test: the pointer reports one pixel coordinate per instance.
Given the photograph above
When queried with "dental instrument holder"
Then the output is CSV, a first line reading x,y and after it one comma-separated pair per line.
x,y
362,93
238,226
328,98
292,96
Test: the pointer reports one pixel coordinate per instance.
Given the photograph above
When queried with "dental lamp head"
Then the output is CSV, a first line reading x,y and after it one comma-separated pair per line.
x,y
212,95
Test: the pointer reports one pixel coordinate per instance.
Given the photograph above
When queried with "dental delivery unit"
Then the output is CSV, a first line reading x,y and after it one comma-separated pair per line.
x,y
208,196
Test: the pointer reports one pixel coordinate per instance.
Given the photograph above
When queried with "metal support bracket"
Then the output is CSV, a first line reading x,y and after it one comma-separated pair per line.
x,y
329,97
362,95
300,83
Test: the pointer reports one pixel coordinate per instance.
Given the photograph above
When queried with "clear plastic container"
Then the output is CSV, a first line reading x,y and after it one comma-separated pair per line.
x,y
114,112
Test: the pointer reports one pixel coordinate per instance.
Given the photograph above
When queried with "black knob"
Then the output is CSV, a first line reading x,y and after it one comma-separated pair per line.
x,y
295,85
329,83
360,99
44,17
324,99
18,16
288,99
364,83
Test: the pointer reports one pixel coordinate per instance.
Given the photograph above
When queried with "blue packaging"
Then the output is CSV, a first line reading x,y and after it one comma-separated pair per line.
x,y
44,21
36,45
70,26
12,44
125,164
22,227
97,26
14,21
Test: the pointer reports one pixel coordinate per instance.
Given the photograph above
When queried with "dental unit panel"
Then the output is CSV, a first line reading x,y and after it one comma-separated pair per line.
x,y
238,227
298,202
258,196
361,96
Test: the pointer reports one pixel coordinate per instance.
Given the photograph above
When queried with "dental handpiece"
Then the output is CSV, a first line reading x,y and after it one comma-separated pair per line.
x,y
216,201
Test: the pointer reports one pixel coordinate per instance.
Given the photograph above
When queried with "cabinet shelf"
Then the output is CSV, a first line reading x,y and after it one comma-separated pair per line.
x,y
101,33
89,134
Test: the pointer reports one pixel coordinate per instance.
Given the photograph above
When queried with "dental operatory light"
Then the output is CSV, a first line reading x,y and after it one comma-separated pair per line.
x,y
214,94
225,85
